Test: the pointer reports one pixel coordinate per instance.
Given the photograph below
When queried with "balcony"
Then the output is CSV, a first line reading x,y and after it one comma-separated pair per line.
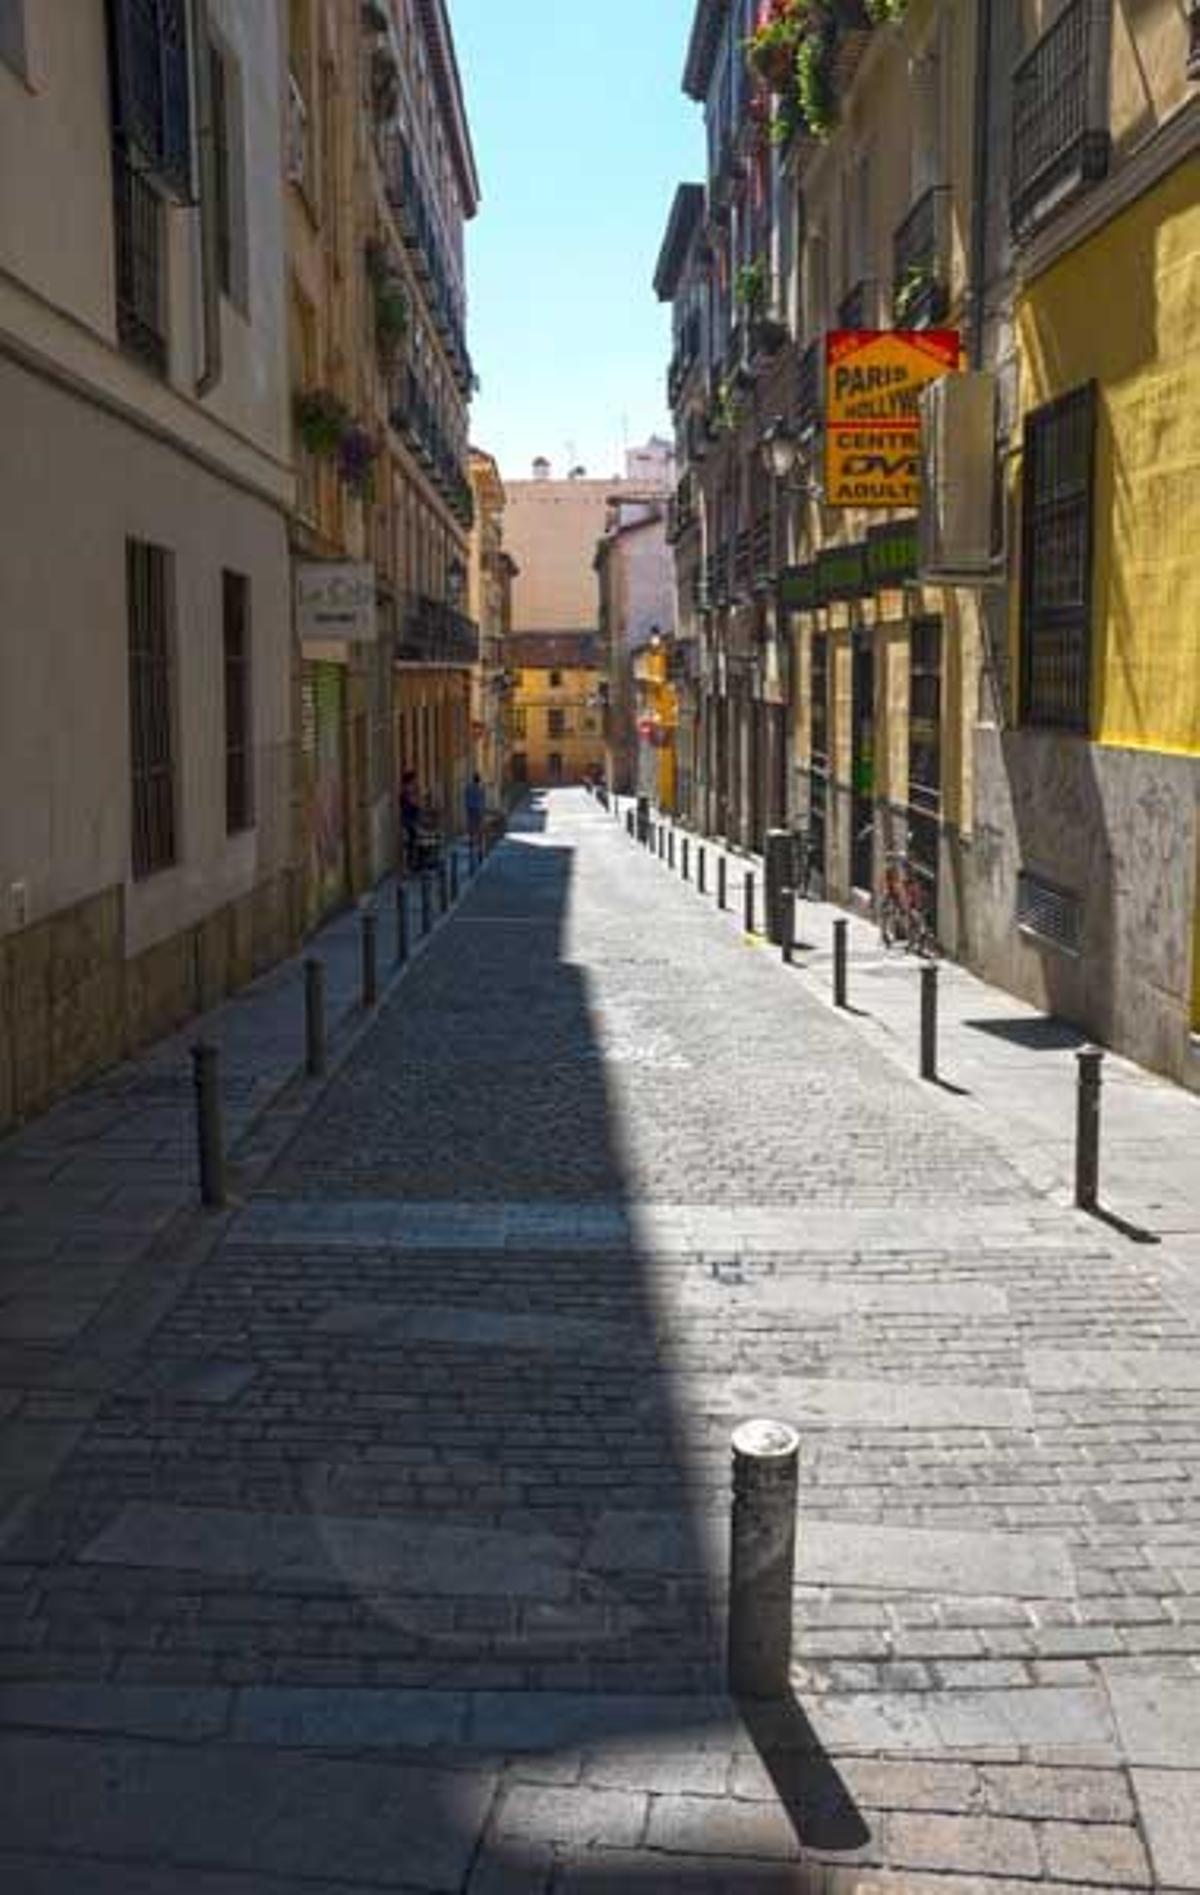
x,y
857,307
810,380
743,564
920,263
1061,140
763,561
140,234
434,633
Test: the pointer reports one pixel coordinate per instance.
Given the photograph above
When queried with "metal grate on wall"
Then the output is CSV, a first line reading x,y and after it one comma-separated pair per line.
x,y
1050,914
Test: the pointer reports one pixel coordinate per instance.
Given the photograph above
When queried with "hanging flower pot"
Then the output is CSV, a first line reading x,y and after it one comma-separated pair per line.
x,y
772,62
321,421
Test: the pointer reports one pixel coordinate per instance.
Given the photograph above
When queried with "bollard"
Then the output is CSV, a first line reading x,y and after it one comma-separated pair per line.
x,y
454,875
443,876
314,1018
701,869
206,1075
426,903
929,1021
401,923
1087,1128
722,882
748,901
779,854
370,957
670,848
685,861
629,824
662,842
787,924
762,1558
841,933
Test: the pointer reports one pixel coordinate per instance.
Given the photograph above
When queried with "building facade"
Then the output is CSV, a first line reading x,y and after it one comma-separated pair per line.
x,y
492,571
636,579
1085,874
556,719
973,650
146,769
382,180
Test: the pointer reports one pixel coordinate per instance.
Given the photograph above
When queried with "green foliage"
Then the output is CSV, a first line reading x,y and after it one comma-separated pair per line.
x,y
322,420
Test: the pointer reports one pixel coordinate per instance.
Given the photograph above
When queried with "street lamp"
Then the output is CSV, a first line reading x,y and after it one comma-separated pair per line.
x,y
780,451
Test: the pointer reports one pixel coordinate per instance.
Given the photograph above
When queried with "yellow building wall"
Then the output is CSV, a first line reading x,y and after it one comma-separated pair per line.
x,y
1124,309
582,746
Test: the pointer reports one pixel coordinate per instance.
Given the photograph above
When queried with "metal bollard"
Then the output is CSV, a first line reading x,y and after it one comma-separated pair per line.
x,y
722,883
629,824
701,870
787,924
426,903
670,848
443,876
1087,1128
210,1137
841,942
370,957
929,1021
314,1018
454,875
748,901
762,1558
685,861
402,943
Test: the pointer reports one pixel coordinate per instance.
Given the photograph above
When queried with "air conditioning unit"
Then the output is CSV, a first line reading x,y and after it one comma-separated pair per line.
x,y
961,521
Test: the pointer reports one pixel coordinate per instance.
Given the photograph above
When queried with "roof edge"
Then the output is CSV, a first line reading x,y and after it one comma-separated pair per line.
x,y
687,210
702,47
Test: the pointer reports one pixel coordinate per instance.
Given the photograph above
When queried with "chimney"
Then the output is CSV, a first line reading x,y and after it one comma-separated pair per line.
x,y
541,468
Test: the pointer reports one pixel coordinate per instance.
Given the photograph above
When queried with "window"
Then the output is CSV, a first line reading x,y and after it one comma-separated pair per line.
x,y
1060,132
13,50
556,724
1056,577
518,724
139,228
222,208
556,680
239,719
149,605
152,88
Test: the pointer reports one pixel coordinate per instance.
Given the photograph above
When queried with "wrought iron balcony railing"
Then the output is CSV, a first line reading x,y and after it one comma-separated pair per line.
x,y
810,375
140,232
434,633
1060,114
764,564
743,563
856,309
920,263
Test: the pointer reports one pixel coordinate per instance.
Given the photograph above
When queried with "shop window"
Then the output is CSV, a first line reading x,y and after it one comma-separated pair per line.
x,y
1056,578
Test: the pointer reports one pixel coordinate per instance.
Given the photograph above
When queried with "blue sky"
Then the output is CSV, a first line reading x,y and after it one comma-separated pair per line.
x,y
582,133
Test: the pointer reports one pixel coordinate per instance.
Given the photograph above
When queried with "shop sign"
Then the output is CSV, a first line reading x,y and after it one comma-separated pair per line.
x,y
336,600
873,383
841,572
892,553
798,588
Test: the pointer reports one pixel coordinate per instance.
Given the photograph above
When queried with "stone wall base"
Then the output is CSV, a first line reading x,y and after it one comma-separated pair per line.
x,y
71,1005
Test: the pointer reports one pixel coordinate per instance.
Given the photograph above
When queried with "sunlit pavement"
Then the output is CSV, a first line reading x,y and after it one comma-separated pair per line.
x,y
374,1537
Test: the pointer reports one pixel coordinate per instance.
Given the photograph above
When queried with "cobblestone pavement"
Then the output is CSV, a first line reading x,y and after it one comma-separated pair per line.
x,y
386,1549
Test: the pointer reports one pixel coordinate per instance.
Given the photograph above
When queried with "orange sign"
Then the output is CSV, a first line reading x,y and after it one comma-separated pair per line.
x,y
873,383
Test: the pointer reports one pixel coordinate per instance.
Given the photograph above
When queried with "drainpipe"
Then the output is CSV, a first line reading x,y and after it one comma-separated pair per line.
x,y
210,290
981,182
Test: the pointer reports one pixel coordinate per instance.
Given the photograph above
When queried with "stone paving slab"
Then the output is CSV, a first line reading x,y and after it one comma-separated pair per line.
x,y
1169,1804
834,1403
1158,1718
412,1557
69,1875
1058,1371
202,1807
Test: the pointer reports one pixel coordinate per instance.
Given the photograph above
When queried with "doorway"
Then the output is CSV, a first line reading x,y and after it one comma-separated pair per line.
x,y
818,764
925,758
862,764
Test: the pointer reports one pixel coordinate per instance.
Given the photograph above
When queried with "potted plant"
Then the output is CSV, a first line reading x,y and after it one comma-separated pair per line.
x,y
321,421
814,79
750,285
771,48
357,453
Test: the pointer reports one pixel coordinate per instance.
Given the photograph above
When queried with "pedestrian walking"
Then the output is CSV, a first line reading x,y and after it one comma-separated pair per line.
x,y
475,800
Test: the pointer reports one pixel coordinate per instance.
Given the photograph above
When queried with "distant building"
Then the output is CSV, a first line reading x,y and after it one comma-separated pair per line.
x,y
489,595
557,718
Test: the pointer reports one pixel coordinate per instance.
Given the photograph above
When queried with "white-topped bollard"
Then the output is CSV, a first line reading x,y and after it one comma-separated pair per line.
x,y
762,1558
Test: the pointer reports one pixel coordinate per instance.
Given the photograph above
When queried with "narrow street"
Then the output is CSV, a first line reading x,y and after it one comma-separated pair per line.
x,y
387,1551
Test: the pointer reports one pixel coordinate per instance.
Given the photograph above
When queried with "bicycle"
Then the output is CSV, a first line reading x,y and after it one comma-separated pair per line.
x,y
902,911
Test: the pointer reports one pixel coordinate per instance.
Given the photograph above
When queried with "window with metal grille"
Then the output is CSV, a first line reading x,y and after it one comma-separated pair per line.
x,y
1060,134
556,724
239,717
151,88
139,224
1052,914
150,606
1056,577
